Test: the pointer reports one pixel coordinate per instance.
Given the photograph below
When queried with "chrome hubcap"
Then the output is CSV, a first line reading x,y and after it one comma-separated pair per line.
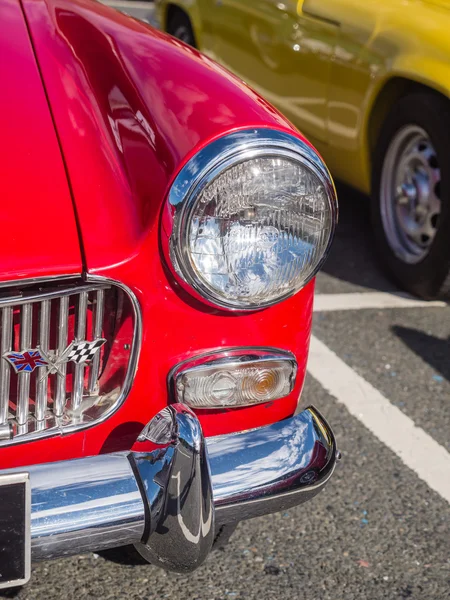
x,y
410,194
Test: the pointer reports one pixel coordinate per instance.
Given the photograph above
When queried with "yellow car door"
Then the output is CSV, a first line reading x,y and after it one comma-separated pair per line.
x,y
355,68
282,52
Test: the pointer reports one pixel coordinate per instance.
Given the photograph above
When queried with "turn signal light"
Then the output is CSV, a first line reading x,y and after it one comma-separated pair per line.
x,y
228,380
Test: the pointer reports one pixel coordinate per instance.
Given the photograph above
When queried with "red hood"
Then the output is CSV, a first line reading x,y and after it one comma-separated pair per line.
x,y
130,104
38,234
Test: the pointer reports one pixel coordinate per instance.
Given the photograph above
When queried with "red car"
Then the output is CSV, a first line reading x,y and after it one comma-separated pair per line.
x,y
161,227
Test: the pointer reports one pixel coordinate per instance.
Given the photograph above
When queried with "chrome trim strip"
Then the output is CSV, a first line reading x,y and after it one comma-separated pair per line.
x,y
161,499
63,318
94,367
39,297
5,374
202,168
37,280
42,377
78,371
23,393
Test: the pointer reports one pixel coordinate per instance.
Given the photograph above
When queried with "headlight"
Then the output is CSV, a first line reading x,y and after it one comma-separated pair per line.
x,y
250,219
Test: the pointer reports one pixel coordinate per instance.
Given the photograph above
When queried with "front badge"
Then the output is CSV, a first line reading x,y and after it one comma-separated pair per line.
x,y
78,352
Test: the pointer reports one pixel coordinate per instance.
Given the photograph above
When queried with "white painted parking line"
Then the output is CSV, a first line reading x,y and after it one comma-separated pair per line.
x,y
419,451
358,301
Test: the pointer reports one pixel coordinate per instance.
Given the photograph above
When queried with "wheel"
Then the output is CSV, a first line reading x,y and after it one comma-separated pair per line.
x,y
411,194
180,27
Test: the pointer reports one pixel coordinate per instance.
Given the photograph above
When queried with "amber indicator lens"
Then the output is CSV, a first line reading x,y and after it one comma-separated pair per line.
x,y
231,383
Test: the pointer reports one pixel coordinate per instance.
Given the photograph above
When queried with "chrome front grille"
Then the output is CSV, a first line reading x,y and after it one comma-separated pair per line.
x,y
67,356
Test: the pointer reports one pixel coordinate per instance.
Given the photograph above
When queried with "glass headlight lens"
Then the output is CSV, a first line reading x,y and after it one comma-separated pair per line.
x,y
256,229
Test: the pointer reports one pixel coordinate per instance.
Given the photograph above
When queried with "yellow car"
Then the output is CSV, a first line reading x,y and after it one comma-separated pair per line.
x,y
368,82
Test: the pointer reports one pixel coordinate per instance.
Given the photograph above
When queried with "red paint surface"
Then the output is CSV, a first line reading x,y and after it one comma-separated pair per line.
x,y
131,106
38,233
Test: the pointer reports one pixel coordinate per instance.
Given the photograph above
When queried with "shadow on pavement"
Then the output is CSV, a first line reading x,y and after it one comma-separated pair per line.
x,y
431,349
125,555
10,593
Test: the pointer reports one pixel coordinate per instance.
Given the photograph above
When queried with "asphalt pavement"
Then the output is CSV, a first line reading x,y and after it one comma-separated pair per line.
x,y
378,530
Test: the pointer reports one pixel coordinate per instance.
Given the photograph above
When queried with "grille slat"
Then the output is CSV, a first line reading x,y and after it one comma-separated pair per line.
x,y
60,396
91,327
23,394
96,333
6,346
78,374
42,372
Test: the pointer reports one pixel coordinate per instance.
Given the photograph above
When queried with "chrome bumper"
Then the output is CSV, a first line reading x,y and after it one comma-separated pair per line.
x,y
171,493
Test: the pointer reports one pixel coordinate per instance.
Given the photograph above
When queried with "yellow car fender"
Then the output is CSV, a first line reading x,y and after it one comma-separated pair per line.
x,y
382,95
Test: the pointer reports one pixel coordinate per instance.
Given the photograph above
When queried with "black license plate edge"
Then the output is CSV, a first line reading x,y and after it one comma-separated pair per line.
x,y
15,529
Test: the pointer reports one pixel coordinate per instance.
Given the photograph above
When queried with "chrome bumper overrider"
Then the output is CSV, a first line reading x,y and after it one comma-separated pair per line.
x,y
171,493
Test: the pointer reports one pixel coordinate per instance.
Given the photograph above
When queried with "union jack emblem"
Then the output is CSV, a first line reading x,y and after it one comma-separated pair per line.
x,y
79,351
26,361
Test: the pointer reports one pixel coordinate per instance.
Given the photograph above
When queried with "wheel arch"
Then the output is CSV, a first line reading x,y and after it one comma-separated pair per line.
x,y
394,87
190,10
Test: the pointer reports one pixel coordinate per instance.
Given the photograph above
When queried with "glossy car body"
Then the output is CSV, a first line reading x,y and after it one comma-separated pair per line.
x,y
86,168
335,68
110,179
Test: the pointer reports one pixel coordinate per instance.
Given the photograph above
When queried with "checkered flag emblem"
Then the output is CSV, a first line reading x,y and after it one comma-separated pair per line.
x,y
83,351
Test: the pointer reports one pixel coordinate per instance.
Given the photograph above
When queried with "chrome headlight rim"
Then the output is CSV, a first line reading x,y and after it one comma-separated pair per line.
x,y
200,170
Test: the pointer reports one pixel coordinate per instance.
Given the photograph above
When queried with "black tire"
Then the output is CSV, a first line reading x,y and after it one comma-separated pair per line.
x,y
180,26
428,278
